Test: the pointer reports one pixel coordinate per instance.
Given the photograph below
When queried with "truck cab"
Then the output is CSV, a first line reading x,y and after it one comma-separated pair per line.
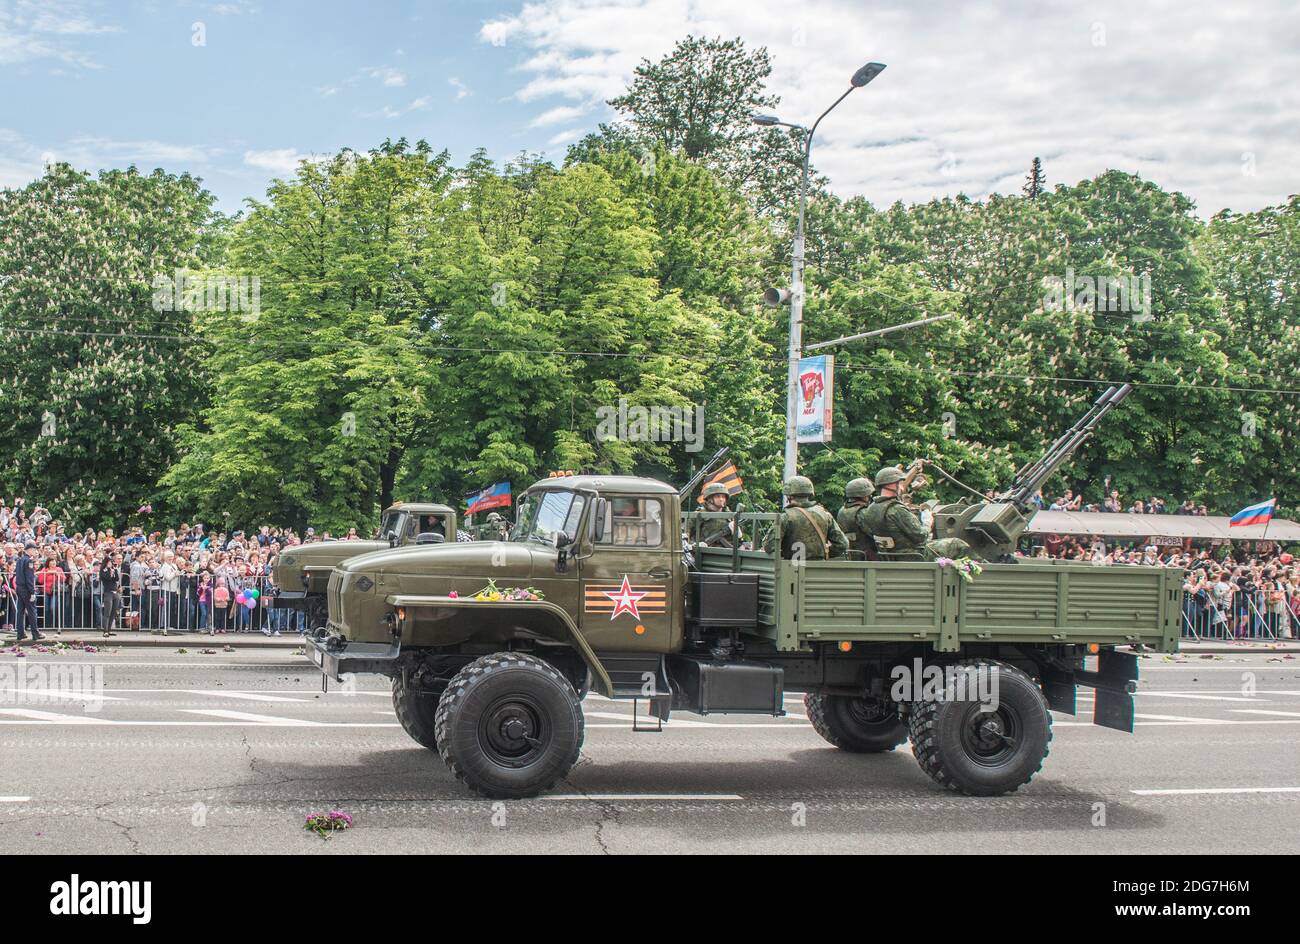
x,y
301,573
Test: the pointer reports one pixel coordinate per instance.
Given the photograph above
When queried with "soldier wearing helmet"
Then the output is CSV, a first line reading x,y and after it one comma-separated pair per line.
x,y
899,534
857,498
496,529
716,532
807,529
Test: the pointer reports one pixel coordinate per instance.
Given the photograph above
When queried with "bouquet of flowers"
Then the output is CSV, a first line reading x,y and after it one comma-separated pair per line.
x,y
494,593
326,824
966,568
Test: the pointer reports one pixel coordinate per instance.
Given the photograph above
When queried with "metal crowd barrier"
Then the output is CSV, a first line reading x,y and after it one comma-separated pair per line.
x,y
1246,615
151,607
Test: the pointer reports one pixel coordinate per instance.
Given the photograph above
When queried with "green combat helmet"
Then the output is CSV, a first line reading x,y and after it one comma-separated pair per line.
x,y
889,475
494,517
859,488
714,488
798,486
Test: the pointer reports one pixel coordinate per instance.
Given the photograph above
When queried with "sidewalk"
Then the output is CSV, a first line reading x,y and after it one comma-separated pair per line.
x,y
1249,647
146,638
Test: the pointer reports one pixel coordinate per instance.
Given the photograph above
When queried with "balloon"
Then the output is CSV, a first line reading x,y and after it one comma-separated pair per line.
x,y
254,593
251,604
240,598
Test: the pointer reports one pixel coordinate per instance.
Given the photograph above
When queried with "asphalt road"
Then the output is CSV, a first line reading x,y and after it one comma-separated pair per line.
x,y
229,752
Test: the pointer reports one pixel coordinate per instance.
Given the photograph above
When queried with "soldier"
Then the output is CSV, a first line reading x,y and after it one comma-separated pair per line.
x,y
715,532
898,533
857,496
807,525
496,528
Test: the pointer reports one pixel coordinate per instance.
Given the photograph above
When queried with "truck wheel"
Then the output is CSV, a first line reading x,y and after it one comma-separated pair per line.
x,y
983,753
416,707
859,725
509,725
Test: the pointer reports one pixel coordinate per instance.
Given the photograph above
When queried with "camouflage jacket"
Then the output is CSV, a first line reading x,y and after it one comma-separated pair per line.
x,y
897,531
715,532
798,530
850,519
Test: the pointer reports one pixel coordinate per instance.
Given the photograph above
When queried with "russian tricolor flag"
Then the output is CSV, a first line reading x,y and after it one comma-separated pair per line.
x,y
1255,514
494,496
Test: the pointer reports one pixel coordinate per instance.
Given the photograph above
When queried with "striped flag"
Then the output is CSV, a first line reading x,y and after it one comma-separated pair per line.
x,y
728,476
1255,514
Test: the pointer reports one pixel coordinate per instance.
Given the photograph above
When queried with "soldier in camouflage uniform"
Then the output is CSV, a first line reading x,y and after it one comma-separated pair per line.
x,y
898,533
857,497
496,529
715,532
807,525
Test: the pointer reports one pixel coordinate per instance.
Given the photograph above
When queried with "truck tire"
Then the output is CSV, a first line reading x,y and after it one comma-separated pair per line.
x,y
416,708
858,725
509,726
983,753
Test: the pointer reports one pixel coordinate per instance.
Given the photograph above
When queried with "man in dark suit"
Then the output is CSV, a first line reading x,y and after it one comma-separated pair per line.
x,y
25,587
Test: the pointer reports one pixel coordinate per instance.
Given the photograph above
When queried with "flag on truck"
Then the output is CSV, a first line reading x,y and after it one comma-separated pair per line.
x,y
1255,514
728,476
494,496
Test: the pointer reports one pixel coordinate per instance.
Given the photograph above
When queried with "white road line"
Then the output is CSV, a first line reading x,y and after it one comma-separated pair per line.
x,y
275,724
1265,711
250,696
1215,791
1181,719
52,716
55,693
648,797
14,799
245,716
1197,697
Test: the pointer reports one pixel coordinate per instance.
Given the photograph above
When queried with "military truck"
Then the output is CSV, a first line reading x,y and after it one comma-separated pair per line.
x,y
490,646
302,572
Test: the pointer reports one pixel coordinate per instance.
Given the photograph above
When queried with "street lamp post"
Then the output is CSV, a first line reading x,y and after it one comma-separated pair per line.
x,y
860,78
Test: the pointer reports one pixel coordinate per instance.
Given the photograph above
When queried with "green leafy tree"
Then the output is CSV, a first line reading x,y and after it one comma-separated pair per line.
x,y
318,395
98,369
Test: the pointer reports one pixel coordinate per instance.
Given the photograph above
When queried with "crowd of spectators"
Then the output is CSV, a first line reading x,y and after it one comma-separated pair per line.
x,y
1153,505
186,578
1247,590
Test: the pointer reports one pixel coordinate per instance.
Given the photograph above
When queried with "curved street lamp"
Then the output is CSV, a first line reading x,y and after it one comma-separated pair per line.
x,y
859,79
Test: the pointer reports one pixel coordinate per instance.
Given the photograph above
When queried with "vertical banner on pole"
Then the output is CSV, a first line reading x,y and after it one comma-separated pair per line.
x,y
816,394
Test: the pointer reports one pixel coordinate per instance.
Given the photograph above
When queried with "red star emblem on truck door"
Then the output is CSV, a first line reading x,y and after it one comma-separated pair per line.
x,y
625,600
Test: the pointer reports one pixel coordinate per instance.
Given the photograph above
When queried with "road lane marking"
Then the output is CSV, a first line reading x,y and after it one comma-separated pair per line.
x,y
1215,791
1265,711
250,696
51,716
246,716
40,693
15,799
645,797
1198,697
1181,719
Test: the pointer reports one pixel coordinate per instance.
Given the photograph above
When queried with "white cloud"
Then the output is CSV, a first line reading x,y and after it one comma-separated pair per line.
x,y
279,161
557,116
388,111
462,90
389,76
29,33
1190,95
564,137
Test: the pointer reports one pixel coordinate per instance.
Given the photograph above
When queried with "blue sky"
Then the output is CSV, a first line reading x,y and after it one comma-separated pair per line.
x,y
1194,95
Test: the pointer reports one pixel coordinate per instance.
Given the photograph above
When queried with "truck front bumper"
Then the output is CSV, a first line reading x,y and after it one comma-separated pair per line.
x,y
336,657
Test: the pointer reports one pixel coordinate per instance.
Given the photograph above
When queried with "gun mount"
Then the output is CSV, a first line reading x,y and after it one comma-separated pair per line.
x,y
992,528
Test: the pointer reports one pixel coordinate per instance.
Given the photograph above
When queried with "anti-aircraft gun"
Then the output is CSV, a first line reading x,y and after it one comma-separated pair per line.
x,y
992,528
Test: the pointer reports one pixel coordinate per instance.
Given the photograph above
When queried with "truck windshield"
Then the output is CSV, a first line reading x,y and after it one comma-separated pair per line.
x,y
545,514
391,525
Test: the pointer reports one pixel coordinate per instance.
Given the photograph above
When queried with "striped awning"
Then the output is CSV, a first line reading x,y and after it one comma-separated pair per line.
x,y
1207,528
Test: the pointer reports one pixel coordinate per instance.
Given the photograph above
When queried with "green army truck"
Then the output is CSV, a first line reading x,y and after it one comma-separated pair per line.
x,y
490,646
301,573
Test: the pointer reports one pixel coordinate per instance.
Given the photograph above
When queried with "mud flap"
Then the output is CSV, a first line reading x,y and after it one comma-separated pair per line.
x,y
1116,681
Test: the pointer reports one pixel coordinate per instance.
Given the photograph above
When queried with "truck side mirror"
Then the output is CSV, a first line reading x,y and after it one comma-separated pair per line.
x,y
598,526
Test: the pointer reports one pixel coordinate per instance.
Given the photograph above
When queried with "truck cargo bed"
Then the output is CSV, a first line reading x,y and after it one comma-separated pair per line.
x,y
1030,602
